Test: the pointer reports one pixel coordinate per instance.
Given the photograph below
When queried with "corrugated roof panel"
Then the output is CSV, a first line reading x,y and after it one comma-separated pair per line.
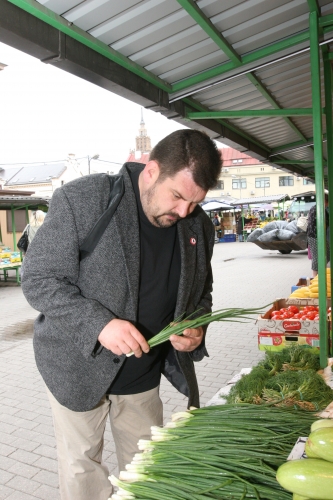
x,y
133,19
162,37
59,6
86,15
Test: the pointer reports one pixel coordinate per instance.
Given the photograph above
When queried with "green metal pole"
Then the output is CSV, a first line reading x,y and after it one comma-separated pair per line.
x,y
319,178
13,227
329,127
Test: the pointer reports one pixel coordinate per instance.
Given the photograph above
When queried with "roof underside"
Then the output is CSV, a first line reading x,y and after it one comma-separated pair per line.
x,y
181,57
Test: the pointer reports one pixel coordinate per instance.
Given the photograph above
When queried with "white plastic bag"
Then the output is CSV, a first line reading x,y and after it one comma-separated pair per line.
x,y
302,223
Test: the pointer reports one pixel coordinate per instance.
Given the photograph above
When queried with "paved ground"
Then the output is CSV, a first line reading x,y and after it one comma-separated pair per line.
x,y
245,276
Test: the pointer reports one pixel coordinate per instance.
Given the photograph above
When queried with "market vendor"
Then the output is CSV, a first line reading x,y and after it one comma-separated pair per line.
x,y
151,265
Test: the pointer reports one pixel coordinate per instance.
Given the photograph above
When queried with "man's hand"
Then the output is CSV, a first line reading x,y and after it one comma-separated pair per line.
x,y
190,340
121,337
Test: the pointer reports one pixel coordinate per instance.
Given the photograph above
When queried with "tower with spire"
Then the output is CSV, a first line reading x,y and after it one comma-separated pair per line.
x,y
142,141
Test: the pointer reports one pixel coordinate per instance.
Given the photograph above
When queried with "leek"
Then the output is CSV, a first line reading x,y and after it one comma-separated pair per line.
x,y
177,327
229,452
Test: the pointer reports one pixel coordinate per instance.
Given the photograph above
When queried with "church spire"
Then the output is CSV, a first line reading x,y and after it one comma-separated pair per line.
x,y
143,143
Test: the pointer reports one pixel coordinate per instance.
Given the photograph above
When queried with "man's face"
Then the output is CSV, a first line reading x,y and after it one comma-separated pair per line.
x,y
165,202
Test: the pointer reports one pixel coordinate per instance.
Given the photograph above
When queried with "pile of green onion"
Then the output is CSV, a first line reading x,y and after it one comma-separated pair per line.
x,y
178,326
221,452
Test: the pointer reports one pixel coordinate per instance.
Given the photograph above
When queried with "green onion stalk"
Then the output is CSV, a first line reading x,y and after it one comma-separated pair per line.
x,y
178,326
229,451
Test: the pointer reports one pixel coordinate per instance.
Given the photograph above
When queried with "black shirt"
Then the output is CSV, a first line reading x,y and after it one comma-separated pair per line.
x,y
158,289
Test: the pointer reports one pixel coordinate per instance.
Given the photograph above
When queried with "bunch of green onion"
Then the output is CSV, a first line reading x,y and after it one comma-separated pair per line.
x,y
179,325
218,452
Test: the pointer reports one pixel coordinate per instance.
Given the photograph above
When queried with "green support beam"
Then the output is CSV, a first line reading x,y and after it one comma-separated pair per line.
x,y
196,13
200,107
319,177
255,56
249,113
328,82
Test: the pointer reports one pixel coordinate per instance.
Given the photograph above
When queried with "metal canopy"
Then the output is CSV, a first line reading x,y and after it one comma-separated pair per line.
x,y
22,202
261,199
255,75
238,69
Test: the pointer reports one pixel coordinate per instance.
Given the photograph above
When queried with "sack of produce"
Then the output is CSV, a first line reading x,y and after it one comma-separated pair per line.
x,y
275,224
255,235
284,234
292,226
270,236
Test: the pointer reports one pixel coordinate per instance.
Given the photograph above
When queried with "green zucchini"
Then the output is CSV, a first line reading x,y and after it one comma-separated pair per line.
x,y
323,422
310,477
299,497
320,442
309,452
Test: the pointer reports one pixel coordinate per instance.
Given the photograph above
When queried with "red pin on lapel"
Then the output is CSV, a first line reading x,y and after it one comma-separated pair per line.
x,y
193,241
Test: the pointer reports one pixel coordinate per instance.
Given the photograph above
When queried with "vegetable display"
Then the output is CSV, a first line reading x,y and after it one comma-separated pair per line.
x,y
312,477
311,291
305,313
217,452
285,378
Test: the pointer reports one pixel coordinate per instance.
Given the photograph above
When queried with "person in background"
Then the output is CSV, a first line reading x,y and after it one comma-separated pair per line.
x,y
151,265
217,225
312,236
35,222
239,228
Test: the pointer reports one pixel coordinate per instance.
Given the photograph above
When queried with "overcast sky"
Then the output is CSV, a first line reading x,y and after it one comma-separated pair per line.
x,y
47,113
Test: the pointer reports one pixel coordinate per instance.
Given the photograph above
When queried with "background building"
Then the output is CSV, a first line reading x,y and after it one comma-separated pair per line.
x,y
246,177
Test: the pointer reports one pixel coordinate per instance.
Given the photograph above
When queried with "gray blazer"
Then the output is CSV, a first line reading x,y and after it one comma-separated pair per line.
x,y
77,299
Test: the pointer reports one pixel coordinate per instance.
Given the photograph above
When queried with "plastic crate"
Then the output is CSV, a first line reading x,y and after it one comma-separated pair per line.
x,y
228,238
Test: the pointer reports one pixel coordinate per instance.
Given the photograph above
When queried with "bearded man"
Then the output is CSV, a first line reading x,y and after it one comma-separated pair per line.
x,y
150,266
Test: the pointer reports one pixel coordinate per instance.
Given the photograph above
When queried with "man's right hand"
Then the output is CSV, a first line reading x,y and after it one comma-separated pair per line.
x,y
121,337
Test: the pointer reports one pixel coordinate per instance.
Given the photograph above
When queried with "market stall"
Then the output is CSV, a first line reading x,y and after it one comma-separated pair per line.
x,y
257,205
10,256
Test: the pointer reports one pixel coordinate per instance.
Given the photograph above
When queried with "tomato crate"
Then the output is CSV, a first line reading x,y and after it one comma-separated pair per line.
x,y
277,341
286,326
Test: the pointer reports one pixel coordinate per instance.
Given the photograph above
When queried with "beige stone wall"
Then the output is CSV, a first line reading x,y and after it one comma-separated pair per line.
x,y
253,172
7,238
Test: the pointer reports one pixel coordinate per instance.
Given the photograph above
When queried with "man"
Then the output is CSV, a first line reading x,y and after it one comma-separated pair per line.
x,y
151,265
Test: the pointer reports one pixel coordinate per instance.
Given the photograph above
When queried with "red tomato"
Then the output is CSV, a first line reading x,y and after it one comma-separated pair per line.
x,y
309,308
304,317
288,314
298,315
283,310
316,318
293,309
311,315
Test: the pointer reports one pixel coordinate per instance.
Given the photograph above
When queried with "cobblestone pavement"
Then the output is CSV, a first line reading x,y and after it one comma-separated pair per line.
x,y
245,276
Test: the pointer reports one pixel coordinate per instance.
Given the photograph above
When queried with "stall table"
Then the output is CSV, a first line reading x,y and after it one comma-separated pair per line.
x,y
5,268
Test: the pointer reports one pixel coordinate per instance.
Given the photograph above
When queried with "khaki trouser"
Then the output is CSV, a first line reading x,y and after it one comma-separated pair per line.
x,y
80,439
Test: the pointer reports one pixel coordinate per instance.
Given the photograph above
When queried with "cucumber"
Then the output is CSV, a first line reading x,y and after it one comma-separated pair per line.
x,y
320,442
323,422
309,453
310,478
299,497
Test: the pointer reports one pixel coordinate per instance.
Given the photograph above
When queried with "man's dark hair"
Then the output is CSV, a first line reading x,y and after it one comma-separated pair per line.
x,y
190,149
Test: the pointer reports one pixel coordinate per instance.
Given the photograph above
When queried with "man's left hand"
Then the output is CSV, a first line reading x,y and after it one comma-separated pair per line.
x,y
190,340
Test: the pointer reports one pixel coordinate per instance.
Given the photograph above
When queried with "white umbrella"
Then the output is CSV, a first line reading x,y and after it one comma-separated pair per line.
x,y
215,205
